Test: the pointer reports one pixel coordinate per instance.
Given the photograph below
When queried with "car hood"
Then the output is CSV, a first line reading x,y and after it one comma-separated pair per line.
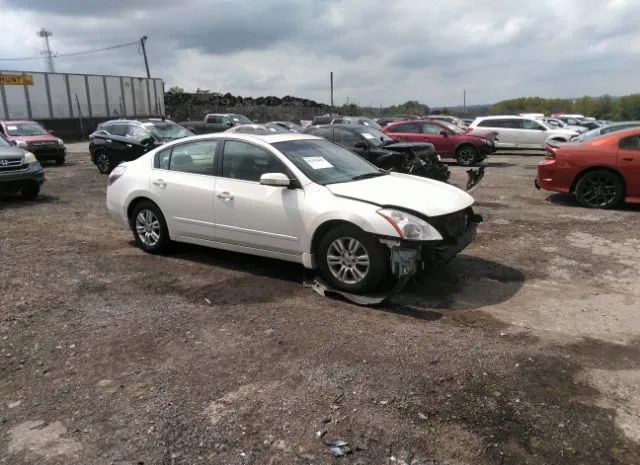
x,y
10,152
422,195
30,139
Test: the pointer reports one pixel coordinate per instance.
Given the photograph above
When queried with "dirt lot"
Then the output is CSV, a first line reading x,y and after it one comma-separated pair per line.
x,y
523,350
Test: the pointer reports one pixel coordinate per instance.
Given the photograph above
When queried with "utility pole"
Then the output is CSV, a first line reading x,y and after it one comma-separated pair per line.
x,y
464,101
143,40
48,56
331,79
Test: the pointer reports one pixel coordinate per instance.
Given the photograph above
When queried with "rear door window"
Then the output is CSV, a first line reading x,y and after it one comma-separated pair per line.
x,y
193,157
410,128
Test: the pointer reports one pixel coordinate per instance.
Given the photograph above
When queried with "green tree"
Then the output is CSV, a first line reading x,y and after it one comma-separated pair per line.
x,y
176,90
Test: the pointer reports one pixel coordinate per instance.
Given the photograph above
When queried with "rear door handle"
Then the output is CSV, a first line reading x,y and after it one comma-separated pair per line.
x,y
627,159
160,182
224,196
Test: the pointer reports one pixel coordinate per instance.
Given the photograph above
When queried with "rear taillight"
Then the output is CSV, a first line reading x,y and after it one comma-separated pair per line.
x,y
550,154
116,174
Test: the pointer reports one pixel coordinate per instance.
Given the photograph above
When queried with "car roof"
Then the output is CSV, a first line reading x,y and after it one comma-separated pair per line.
x,y
19,121
502,117
268,138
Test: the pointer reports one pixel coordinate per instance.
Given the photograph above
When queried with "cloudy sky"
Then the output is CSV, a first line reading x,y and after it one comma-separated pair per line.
x,y
382,52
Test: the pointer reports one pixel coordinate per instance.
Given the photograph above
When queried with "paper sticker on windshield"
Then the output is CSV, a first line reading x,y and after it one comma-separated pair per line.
x,y
317,163
12,128
368,136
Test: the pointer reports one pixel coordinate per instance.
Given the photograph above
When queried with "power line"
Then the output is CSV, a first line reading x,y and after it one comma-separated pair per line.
x,y
84,52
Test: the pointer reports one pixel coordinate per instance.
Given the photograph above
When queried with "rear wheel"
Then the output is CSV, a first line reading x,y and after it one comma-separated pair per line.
x,y
30,190
149,228
351,260
599,189
103,162
466,155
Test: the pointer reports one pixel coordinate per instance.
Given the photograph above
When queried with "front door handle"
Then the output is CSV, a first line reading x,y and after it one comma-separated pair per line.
x,y
224,196
627,158
160,182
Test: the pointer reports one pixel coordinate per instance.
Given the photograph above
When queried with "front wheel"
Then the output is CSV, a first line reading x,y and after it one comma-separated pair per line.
x,y
351,260
149,228
599,189
104,163
467,155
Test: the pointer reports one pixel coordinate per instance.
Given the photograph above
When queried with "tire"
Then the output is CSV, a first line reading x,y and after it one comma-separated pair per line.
x,y
59,161
149,228
344,260
104,162
30,190
467,155
599,189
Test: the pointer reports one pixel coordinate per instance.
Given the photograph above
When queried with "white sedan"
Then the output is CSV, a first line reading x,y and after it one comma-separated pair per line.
x,y
293,197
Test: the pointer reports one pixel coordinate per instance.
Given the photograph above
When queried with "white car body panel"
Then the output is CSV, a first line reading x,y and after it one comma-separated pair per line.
x,y
522,138
270,221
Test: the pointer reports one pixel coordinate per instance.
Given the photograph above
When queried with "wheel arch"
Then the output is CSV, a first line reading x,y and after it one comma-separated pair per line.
x,y
135,202
591,169
325,227
465,143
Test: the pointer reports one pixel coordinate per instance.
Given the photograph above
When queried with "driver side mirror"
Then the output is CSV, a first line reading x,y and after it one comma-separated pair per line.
x,y
275,179
229,124
51,132
361,146
444,133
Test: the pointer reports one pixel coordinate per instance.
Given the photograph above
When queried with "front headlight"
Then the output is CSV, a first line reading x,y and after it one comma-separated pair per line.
x,y
21,144
410,227
60,142
29,158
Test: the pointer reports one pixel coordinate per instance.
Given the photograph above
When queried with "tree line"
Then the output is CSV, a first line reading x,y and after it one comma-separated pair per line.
x,y
605,107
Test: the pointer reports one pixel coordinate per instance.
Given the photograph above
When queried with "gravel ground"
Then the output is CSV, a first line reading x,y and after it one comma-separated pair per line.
x,y
524,349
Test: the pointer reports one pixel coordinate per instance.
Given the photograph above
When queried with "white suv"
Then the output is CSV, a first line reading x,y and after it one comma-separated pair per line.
x,y
294,197
520,132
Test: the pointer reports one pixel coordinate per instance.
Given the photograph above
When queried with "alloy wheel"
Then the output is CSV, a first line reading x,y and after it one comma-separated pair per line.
x,y
348,260
466,156
599,190
103,162
148,228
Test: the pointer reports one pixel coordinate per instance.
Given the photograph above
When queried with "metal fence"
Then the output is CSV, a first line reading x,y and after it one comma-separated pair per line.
x,y
51,96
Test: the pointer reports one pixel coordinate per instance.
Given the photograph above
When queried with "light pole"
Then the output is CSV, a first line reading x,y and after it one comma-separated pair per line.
x,y
48,56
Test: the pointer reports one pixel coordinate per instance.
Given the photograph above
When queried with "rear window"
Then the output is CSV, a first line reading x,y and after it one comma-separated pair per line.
x,y
407,128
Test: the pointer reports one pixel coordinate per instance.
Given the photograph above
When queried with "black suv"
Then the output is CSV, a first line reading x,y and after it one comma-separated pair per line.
x,y
20,171
121,140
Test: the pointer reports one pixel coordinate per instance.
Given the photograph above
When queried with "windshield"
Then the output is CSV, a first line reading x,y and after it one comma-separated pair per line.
x,y
374,136
25,129
4,142
370,123
324,162
240,119
585,136
167,130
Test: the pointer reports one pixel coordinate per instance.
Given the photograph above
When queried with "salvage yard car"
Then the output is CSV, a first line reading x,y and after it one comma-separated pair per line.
x,y
29,135
384,152
123,140
600,172
517,132
20,171
450,141
215,122
293,197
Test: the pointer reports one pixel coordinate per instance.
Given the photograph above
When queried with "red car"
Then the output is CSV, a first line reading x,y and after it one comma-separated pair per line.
x,y
449,141
600,172
29,135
